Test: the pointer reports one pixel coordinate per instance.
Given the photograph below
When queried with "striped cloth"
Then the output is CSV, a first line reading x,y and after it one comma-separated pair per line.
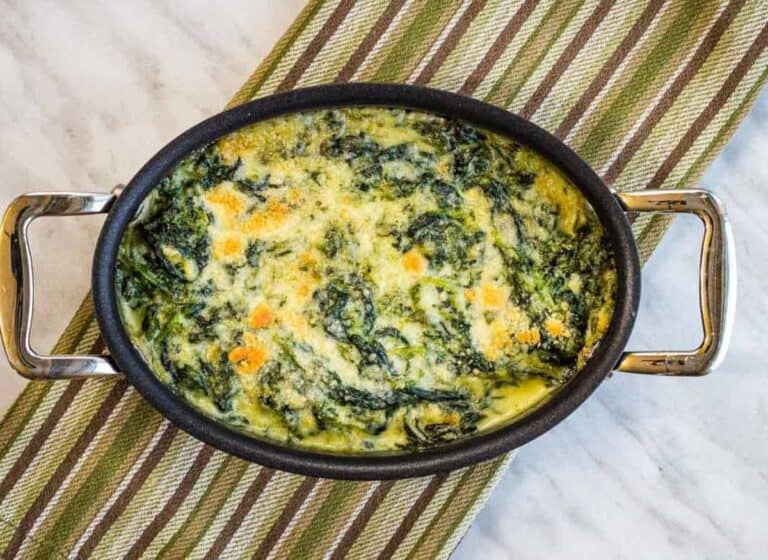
x,y
647,91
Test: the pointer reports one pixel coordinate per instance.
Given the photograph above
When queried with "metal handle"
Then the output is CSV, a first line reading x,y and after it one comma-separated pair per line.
x,y
16,286
717,282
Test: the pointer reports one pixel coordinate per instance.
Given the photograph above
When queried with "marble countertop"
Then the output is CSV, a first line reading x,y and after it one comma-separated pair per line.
x,y
646,468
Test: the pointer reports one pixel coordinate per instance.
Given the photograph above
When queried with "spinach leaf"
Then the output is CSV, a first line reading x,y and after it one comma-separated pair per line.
x,y
443,239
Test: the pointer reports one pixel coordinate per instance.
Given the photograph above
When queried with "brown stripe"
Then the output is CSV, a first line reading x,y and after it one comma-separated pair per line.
x,y
370,40
702,52
278,528
246,503
19,415
184,540
413,514
64,468
714,106
317,43
451,40
359,523
570,52
130,490
78,325
440,519
99,345
609,68
37,441
266,68
173,504
498,47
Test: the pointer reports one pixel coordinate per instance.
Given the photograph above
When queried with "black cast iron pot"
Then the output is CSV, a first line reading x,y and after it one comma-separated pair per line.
x,y
716,287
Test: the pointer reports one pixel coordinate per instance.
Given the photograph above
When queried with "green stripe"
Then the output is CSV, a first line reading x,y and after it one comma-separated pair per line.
x,y
646,243
723,134
111,463
412,40
267,68
205,509
151,497
34,394
27,404
35,478
270,505
76,337
644,240
332,507
443,509
489,477
78,325
509,84
671,40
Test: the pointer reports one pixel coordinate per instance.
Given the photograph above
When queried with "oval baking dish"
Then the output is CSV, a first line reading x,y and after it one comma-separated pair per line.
x,y
717,288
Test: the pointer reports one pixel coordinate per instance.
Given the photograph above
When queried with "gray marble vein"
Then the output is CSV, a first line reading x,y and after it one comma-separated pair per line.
x,y
647,468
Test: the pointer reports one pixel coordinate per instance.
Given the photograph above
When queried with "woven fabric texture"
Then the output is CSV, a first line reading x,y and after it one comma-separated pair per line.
x,y
647,92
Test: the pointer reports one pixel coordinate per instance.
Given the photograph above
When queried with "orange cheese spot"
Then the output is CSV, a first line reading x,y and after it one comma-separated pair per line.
x,y
491,296
469,295
260,317
531,336
434,414
233,145
306,259
451,418
248,359
229,201
272,217
238,354
498,341
415,262
555,327
227,248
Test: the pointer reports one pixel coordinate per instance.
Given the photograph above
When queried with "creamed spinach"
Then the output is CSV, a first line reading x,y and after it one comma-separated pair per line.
x,y
365,279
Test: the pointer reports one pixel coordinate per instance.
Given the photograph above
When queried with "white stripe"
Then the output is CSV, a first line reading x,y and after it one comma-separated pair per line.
x,y
226,510
187,507
29,429
511,50
439,40
151,499
121,487
656,101
297,517
393,25
294,52
341,533
637,48
101,434
592,54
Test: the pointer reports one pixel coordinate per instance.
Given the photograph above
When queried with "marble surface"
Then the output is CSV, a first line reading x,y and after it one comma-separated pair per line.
x,y
647,468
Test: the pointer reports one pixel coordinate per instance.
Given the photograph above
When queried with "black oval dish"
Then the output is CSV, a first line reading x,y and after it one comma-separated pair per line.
x,y
380,465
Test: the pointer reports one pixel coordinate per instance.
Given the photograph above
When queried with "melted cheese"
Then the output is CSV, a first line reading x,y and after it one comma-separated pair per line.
x,y
363,285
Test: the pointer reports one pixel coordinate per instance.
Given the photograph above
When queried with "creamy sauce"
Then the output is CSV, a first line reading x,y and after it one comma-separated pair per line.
x,y
365,279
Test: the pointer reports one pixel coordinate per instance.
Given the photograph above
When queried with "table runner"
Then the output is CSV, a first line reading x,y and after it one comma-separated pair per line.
x,y
647,92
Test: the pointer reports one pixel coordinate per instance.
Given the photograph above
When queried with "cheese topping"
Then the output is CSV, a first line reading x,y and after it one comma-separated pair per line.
x,y
365,279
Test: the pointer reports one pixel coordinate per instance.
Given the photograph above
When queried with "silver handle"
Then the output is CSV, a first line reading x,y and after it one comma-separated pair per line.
x,y
717,282
16,286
